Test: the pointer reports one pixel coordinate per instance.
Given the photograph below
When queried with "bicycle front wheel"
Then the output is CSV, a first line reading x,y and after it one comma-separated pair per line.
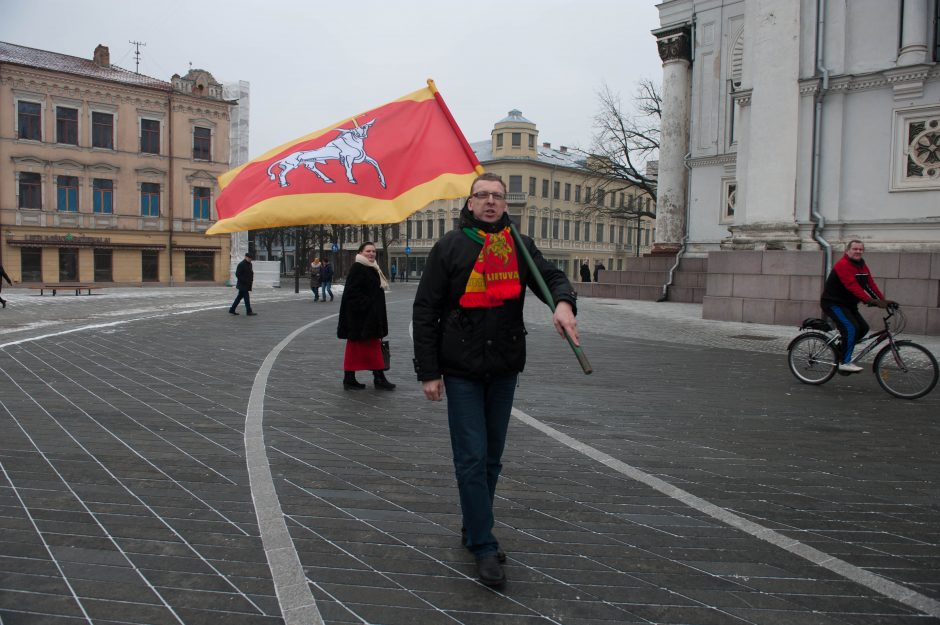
x,y
908,371
812,359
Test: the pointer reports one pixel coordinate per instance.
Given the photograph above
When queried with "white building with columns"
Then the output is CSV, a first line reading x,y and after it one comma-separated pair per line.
x,y
789,128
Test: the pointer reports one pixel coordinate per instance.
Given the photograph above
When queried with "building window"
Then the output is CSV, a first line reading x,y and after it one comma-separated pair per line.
x,y
532,183
544,188
530,230
31,264
149,199
150,136
544,227
577,193
30,185
199,266
531,142
441,227
102,195
431,228
599,198
202,144
587,231
150,266
102,130
499,140
68,264
456,223
517,139
729,194
567,191
621,235
555,224
613,232
29,121
600,233
103,266
515,184
66,188
577,231
66,125
419,229
587,195
201,203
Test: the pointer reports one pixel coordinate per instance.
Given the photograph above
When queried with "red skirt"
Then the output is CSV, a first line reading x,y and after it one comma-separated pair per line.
x,y
365,355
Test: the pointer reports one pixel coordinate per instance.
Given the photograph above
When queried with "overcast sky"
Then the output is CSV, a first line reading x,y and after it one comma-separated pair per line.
x,y
311,63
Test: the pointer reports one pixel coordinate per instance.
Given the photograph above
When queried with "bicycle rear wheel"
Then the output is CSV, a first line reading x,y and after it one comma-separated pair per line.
x,y
910,373
811,358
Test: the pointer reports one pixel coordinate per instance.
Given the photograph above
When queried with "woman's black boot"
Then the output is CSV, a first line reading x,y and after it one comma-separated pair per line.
x,y
350,383
381,382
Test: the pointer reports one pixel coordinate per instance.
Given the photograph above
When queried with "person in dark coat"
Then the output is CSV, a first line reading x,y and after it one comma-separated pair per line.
x,y
585,273
244,276
315,278
469,338
326,279
4,276
599,268
363,321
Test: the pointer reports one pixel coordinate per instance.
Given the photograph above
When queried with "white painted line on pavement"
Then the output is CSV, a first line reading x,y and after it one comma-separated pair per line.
x,y
298,606
879,584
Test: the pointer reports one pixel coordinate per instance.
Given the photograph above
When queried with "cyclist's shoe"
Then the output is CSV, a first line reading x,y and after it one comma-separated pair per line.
x,y
848,367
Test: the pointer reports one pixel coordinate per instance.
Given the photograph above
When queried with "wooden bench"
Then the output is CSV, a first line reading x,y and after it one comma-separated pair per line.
x,y
66,286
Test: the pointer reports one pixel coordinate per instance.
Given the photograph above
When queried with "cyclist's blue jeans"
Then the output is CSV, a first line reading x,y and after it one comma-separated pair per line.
x,y
478,415
852,327
327,284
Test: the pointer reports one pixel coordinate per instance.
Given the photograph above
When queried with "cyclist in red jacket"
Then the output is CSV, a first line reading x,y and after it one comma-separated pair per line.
x,y
849,283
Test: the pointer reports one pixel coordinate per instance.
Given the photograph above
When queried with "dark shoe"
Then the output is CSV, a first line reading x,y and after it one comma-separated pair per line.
x,y
232,312
500,554
491,571
381,382
252,314
350,383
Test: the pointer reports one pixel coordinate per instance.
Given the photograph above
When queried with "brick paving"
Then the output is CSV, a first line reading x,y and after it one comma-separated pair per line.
x,y
689,480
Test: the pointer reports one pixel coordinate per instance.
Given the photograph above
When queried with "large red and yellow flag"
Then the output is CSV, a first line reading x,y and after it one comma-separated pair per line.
x,y
377,167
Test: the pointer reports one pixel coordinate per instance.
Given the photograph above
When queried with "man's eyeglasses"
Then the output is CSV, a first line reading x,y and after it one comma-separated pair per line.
x,y
483,195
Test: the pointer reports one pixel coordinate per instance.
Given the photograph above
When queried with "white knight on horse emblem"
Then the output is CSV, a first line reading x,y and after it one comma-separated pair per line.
x,y
347,148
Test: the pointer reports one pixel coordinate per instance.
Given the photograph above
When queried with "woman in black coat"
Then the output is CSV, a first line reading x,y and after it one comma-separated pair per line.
x,y
363,321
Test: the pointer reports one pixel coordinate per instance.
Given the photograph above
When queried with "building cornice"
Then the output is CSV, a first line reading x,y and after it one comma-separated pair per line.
x,y
709,161
906,81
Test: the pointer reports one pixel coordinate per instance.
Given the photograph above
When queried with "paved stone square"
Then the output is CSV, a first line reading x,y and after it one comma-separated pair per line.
x,y
165,462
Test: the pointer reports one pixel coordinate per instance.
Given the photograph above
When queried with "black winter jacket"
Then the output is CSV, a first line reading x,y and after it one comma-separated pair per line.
x,y
245,276
475,343
362,309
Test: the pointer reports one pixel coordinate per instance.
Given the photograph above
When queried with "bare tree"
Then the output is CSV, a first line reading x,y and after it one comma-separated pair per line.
x,y
624,145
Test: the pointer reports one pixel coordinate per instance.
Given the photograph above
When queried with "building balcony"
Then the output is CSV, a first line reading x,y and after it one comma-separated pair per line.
x,y
516,199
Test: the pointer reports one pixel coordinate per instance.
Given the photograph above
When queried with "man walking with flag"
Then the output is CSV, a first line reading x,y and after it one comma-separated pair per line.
x,y
469,339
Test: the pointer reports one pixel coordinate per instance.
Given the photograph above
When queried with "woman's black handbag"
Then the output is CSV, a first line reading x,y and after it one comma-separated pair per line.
x,y
387,355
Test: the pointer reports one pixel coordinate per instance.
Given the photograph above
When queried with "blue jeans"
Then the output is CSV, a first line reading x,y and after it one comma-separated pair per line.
x,y
242,294
326,289
478,414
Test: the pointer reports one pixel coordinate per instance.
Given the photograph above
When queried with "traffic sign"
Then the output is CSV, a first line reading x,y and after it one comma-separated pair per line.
x,y
335,248
407,251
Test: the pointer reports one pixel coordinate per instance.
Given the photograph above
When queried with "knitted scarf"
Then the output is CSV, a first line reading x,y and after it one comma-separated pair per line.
x,y
495,275
362,260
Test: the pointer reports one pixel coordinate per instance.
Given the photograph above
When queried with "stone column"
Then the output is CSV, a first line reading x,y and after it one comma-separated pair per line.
x,y
768,150
675,51
914,26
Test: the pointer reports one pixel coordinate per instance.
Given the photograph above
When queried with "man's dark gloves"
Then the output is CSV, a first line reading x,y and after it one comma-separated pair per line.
x,y
883,303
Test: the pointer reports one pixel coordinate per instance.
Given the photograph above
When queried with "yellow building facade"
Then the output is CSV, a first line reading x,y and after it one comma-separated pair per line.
x,y
550,197
108,176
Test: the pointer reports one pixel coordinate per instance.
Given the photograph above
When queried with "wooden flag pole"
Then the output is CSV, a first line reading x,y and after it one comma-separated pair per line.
x,y
578,352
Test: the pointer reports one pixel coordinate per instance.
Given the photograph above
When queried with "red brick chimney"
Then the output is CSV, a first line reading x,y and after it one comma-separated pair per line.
x,y
102,56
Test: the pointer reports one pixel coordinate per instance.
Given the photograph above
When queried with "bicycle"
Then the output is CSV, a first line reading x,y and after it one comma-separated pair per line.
x,y
903,368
